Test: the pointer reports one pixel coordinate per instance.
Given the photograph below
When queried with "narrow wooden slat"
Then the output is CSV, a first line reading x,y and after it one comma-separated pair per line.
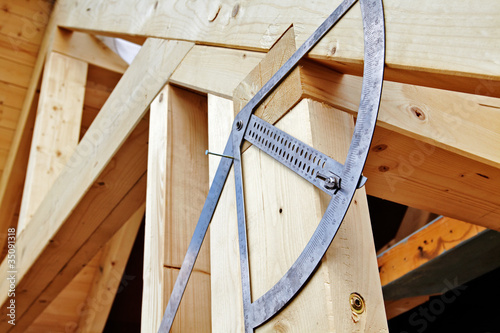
x,y
227,300
57,129
417,33
150,71
178,185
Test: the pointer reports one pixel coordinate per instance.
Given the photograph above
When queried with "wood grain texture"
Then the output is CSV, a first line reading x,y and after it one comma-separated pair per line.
x,y
177,187
280,224
113,258
466,261
57,129
416,174
464,124
88,48
227,301
95,152
12,180
215,70
422,246
417,33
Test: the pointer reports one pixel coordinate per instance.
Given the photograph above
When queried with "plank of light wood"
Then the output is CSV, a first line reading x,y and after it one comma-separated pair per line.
x,y
401,167
227,301
416,174
468,260
462,123
283,211
87,48
145,77
417,33
12,181
113,260
57,129
177,187
422,246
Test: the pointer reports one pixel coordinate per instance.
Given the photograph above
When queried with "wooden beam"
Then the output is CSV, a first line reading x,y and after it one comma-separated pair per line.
x,y
37,250
423,245
267,240
12,181
416,174
227,300
442,253
417,51
177,188
409,153
57,129
85,302
468,260
464,124
108,278
275,239
88,48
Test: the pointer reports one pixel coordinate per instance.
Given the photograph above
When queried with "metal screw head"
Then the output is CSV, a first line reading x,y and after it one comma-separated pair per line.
x,y
239,125
357,303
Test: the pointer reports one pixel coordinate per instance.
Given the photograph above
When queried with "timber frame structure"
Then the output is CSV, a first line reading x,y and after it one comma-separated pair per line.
x,y
97,145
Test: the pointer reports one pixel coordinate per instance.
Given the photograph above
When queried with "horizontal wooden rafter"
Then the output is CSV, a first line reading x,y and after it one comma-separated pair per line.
x,y
418,50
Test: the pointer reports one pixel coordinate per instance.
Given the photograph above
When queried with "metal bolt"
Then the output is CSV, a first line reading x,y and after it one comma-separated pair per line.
x,y
357,303
239,125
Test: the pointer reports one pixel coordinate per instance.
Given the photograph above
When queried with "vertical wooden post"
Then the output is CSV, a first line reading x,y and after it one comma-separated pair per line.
x,y
177,187
57,129
283,211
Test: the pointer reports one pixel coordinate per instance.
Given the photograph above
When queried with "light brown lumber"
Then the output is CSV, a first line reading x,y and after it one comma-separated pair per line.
x,y
420,48
11,183
64,312
462,123
12,96
278,238
142,81
115,196
215,70
395,308
422,246
30,9
113,260
283,211
15,73
57,129
177,188
9,116
227,301
88,48
420,175
450,155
